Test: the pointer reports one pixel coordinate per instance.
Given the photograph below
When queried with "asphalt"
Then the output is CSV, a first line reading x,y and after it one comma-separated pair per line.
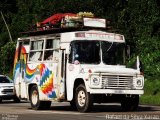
x,y
63,111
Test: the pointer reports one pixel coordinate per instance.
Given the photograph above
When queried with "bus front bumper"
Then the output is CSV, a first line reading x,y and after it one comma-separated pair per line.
x,y
113,91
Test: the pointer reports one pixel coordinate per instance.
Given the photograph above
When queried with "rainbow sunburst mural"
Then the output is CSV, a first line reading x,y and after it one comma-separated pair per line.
x,y
46,83
46,76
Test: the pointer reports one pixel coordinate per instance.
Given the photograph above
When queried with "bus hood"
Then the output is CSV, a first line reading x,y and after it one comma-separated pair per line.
x,y
113,70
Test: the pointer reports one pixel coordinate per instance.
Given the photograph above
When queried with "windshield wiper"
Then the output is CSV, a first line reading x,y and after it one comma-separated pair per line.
x,y
110,47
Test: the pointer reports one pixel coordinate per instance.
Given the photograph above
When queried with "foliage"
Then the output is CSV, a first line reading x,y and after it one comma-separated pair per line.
x,y
152,88
7,57
138,20
149,99
151,92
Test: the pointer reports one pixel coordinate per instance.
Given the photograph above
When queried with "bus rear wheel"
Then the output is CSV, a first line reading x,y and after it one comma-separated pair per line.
x,y
35,102
83,99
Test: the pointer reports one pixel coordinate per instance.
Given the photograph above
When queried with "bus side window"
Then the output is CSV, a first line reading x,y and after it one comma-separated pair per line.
x,y
35,56
51,49
48,55
36,50
73,52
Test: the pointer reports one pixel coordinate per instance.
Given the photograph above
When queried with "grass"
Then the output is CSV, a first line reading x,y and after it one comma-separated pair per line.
x,y
151,93
150,100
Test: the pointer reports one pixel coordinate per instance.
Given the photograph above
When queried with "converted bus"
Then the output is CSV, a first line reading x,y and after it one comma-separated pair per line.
x,y
79,66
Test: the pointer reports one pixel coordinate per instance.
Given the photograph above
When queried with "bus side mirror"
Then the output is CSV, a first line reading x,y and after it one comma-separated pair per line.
x,y
139,66
128,51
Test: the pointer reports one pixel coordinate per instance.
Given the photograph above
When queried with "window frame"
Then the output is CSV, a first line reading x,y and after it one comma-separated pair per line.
x,y
51,49
44,49
38,50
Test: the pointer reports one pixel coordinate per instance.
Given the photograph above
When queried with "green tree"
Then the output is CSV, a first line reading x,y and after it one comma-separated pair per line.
x,y
138,20
7,57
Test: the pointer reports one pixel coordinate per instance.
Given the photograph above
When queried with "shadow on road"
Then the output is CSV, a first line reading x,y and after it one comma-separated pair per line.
x,y
96,108
117,108
108,108
11,102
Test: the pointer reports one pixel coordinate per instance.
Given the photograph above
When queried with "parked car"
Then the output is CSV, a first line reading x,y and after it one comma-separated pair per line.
x,y
7,89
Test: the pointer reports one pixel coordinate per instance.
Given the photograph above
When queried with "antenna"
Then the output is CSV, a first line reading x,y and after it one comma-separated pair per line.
x,y
6,26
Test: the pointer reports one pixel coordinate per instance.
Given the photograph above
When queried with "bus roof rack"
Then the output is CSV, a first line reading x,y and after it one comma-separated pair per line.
x,y
69,22
61,30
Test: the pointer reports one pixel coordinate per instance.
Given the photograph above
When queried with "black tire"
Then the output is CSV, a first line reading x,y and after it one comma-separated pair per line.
x,y
86,105
35,102
73,104
46,104
0,100
16,99
130,103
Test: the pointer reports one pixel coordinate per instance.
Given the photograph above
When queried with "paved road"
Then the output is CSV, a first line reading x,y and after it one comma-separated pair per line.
x,y
63,111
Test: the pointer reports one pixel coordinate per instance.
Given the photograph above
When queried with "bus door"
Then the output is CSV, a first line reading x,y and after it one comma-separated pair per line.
x,y
54,58
62,74
23,62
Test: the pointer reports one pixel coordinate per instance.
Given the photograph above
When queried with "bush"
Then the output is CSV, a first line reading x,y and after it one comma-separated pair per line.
x,y
151,92
7,58
152,87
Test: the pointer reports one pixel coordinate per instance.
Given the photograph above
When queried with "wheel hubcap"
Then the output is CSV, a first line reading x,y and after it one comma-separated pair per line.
x,y
81,98
34,97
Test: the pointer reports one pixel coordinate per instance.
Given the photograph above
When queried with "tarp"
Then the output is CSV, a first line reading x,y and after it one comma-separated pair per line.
x,y
56,18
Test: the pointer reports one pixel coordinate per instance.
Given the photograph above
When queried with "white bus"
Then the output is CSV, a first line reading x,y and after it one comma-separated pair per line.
x,y
81,67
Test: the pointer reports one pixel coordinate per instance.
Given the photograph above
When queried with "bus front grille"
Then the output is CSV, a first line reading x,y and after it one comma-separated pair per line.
x,y
117,82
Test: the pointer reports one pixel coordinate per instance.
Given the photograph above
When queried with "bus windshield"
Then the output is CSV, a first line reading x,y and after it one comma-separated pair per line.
x,y
90,52
113,53
86,52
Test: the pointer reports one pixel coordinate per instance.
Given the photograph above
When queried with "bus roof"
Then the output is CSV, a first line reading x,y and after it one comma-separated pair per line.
x,y
60,30
69,35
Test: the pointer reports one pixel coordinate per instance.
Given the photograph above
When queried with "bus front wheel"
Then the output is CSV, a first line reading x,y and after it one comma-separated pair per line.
x,y
83,99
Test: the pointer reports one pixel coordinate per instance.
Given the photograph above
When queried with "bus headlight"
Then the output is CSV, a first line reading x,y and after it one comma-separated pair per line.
x,y
95,82
139,82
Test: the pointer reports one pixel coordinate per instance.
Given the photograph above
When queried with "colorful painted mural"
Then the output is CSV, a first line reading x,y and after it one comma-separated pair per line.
x,y
46,82
46,76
